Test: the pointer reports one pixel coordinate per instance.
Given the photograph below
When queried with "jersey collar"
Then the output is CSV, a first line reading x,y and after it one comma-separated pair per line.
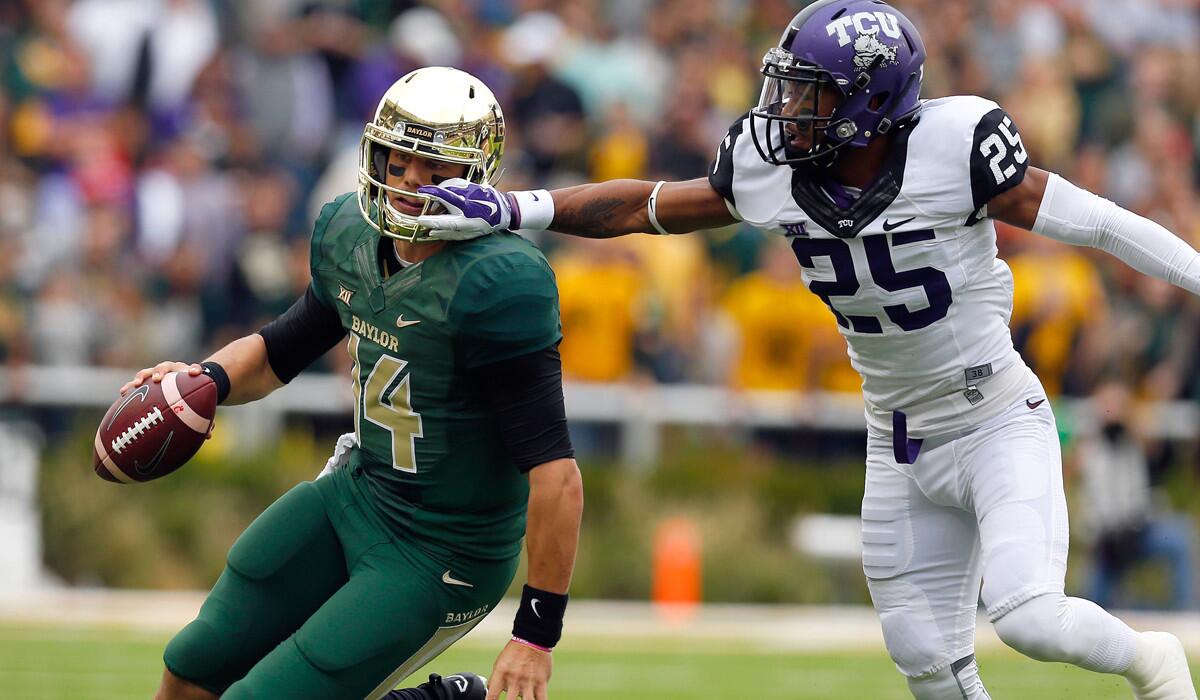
x,y
847,222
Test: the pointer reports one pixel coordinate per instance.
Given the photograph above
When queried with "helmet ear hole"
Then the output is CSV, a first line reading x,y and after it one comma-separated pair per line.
x,y
878,101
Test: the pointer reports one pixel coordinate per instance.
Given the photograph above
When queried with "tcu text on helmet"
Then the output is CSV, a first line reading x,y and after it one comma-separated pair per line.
x,y
864,23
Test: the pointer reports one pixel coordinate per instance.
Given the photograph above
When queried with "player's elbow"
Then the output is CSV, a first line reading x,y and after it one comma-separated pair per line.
x,y
560,481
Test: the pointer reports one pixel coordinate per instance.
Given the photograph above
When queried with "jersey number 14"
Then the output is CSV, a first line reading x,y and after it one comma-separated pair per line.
x,y
388,405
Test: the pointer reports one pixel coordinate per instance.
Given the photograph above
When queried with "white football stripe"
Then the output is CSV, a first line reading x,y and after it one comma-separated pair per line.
x,y
108,463
180,408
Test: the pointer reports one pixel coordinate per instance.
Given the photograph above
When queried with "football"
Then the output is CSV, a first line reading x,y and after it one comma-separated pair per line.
x,y
155,429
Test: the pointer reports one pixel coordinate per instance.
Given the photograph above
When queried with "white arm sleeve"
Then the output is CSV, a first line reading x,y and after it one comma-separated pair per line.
x,y
1076,216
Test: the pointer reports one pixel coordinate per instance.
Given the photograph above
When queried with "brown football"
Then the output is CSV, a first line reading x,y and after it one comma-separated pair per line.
x,y
156,428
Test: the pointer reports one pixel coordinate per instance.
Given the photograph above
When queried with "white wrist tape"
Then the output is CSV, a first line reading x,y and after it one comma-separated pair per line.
x,y
652,209
1076,216
536,209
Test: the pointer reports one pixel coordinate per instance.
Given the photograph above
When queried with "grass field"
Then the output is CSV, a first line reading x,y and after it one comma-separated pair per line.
x,y
61,663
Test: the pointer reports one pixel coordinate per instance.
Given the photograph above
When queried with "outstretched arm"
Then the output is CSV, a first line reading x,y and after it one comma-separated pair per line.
x,y
619,207
594,210
1051,206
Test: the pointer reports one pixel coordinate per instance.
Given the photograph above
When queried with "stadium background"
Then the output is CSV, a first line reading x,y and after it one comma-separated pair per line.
x,y
161,162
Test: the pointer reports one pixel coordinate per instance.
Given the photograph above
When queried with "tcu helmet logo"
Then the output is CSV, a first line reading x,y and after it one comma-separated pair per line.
x,y
867,49
864,23
867,46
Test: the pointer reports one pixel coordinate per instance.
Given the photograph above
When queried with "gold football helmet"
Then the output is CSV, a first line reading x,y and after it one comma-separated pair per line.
x,y
439,113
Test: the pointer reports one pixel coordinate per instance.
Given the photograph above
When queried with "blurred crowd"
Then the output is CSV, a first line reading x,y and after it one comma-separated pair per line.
x,y
162,161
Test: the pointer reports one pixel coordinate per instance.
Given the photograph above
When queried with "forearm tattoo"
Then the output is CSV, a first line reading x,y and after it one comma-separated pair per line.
x,y
594,219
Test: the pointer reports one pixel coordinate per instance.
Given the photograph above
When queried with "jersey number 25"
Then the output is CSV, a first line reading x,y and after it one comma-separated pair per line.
x,y
883,272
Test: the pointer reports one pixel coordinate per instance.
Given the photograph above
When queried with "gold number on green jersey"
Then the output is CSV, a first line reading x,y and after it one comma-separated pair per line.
x,y
392,412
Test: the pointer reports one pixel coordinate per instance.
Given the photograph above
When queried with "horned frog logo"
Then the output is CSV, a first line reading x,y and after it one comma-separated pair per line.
x,y
868,46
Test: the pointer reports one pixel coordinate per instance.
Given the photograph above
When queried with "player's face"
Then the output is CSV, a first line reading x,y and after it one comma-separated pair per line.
x,y
807,101
408,172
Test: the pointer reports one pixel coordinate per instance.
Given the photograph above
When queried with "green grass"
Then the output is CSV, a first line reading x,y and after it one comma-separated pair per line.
x,y
102,664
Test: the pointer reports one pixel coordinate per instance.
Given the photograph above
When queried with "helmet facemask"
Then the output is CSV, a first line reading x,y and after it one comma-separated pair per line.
x,y
796,120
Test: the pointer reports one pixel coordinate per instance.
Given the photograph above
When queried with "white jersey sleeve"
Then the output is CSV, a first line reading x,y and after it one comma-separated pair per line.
x,y
962,140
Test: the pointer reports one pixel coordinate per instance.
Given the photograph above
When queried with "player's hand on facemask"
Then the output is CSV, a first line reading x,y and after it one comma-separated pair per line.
x,y
522,671
473,210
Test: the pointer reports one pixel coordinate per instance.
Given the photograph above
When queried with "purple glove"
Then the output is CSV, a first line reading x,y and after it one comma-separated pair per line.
x,y
473,210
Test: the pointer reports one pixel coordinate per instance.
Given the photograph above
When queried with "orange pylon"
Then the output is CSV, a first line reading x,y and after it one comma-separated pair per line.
x,y
675,587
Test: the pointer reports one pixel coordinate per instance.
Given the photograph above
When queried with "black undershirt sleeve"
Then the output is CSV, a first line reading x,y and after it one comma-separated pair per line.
x,y
526,398
301,335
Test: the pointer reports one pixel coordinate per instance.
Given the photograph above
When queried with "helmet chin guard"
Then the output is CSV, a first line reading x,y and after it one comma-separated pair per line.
x,y
438,113
844,72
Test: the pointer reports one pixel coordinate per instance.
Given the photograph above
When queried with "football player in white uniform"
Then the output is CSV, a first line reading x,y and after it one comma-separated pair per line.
x,y
888,201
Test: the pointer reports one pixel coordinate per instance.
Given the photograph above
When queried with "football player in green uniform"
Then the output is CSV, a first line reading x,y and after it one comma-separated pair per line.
x,y
347,584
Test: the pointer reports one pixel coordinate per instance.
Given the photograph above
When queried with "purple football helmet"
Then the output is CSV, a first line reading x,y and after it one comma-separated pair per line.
x,y
864,51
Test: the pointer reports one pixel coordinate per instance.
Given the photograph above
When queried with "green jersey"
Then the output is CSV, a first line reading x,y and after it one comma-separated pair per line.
x,y
430,451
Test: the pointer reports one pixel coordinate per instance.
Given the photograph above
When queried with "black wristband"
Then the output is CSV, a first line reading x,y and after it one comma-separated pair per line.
x,y
540,617
220,377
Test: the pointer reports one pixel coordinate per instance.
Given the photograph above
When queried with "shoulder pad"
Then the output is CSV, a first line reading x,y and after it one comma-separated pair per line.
x,y
754,189
324,234
959,140
331,221
720,172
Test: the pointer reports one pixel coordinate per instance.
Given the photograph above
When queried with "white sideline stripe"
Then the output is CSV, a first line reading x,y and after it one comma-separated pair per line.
x,y
592,624
108,463
180,407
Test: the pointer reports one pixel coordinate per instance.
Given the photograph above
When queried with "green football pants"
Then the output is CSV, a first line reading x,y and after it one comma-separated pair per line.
x,y
319,599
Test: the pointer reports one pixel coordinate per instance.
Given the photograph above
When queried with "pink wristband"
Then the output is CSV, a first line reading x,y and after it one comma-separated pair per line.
x,y
531,645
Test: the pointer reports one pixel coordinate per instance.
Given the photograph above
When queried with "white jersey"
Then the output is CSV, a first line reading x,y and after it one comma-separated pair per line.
x,y
909,267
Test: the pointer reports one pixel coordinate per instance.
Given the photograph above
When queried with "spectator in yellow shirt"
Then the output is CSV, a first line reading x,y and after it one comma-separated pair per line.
x,y
600,287
785,337
1058,299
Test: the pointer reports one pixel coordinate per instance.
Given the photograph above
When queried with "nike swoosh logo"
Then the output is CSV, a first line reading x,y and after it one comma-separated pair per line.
x,y
533,604
448,579
401,323
140,394
488,204
535,197
889,226
1034,404
158,456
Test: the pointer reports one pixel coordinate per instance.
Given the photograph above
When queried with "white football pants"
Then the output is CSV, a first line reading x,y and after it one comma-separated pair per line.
x,y
985,506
